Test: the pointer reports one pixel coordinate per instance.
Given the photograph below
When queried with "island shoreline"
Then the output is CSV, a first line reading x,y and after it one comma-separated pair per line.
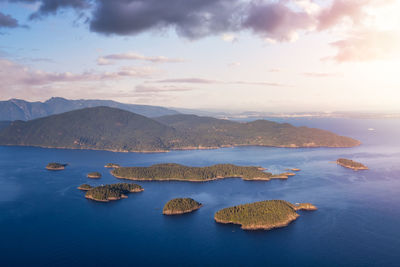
x,y
177,149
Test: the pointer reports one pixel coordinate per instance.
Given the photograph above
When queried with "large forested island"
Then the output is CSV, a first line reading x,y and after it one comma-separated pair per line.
x,y
351,164
106,193
180,206
177,172
263,215
106,128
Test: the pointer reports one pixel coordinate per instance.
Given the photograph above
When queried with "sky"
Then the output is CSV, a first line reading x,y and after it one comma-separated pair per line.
x,y
233,55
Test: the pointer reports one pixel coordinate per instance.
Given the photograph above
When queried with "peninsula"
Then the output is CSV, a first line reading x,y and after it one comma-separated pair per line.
x,y
350,164
55,166
85,187
263,215
124,131
177,172
94,175
181,206
106,193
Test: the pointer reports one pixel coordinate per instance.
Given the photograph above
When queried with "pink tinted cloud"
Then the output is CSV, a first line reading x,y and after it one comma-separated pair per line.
x,y
367,45
160,89
342,9
110,59
15,74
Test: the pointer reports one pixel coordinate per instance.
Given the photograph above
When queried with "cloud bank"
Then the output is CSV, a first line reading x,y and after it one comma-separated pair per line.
x,y
280,20
14,75
272,20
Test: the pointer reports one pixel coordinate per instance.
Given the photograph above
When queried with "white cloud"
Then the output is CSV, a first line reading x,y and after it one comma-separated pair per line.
x,y
110,59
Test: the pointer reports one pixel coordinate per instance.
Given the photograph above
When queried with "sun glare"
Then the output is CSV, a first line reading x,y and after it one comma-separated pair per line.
x,y
386,18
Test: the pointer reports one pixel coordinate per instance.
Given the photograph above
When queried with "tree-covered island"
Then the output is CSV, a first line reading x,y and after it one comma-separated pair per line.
x,y
177,172
105,128
55,166
109,192
180,206
94,175
263,215
348,163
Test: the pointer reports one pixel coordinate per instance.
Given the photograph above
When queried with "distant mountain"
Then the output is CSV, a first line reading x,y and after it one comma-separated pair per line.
x,y
113,129
16,109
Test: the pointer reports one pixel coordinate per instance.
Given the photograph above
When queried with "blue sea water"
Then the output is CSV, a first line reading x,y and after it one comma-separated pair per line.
x,y
46,221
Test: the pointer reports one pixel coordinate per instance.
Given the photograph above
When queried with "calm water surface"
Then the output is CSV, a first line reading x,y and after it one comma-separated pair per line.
x,y
46,221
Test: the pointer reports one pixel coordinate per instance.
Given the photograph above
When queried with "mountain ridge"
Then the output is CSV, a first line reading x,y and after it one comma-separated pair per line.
x,y
18,109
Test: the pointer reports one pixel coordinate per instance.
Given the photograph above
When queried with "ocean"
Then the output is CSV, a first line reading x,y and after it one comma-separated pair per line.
x,y
46,221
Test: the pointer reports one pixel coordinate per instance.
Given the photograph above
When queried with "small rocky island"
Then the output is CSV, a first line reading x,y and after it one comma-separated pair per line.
x,y
348,163
263,215
112,165
181,206
177,172
105,193
85,187
94,175
55,166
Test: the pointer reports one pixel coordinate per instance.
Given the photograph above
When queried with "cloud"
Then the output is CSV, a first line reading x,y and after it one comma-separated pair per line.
x,y
16,75
273,20
110,59
208,81
6,21
354,11
188,80
160,89
366,45
276,21
228,37
272,84
190,18
51,7
234,64
319,74
339,10
275,70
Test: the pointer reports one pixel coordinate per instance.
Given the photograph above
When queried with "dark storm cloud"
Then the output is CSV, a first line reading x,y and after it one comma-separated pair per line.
x,y
47,7
52,6
6,21
274,19
277,20
190,18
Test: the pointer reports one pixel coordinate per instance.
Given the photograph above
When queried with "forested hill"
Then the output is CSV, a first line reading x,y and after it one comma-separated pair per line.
x,y
216,132
17,109
91,128
4,124
108,128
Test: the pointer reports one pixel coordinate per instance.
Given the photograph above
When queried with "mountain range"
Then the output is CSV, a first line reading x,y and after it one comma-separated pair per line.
x,y
106,128
17,109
